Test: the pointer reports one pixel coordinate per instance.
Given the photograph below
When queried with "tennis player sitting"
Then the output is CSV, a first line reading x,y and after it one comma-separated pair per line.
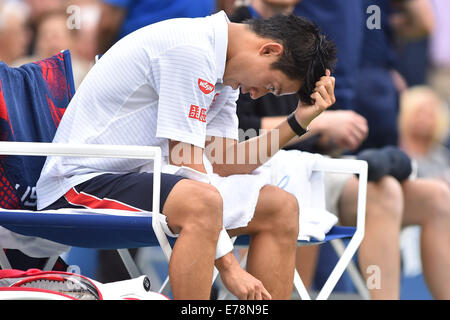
x,y
174,85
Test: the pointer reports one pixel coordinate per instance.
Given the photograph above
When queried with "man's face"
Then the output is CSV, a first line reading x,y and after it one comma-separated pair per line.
x,y
255,75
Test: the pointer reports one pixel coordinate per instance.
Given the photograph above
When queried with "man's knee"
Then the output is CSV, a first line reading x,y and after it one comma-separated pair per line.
x,y
284,220
198,208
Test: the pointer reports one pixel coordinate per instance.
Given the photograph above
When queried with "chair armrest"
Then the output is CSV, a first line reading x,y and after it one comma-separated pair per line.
x,y
350,166
100,151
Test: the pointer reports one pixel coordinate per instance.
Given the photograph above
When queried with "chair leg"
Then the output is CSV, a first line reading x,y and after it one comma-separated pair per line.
x,y
129,263
339,269
50,263
352,270
300,287
165,287
4,262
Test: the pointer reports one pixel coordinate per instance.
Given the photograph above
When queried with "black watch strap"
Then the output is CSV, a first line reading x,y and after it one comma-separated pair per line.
x,y
295,126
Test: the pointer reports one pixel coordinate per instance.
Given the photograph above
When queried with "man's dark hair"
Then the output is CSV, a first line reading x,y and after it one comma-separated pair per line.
x,y
307,53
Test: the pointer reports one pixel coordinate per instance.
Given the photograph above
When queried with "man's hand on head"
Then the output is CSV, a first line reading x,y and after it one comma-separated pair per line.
x,y
323,96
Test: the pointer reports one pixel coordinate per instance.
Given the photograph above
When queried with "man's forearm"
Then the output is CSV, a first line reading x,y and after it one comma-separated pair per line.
x,y
226,262
246,156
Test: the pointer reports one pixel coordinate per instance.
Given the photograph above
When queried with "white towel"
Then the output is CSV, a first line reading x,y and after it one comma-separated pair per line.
x,y
240,193
291,171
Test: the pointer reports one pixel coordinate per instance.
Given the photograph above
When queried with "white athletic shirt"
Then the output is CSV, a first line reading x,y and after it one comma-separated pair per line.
x,y
161,82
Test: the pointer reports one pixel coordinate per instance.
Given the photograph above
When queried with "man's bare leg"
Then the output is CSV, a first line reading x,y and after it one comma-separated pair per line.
x,y
380,246
427,203
274,232
198,221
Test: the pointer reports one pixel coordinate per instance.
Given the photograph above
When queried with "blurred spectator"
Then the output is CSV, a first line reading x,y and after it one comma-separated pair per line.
x,y
14,35
263,9
52,36
412,22
411,19
37,9
121,17
378,82
227,6
423,202
423,125
85,37
439,75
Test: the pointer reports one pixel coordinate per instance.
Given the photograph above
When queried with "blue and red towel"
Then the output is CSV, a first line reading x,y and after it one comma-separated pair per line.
x,y
33,99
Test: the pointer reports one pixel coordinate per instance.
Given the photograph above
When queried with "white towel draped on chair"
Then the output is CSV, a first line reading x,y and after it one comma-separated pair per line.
x,y
290,170
293,172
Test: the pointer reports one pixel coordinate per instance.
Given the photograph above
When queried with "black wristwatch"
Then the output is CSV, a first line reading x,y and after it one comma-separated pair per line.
x,y
295,126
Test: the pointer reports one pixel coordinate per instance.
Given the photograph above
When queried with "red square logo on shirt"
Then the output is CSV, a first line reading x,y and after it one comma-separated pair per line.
x,y
202,117
195,112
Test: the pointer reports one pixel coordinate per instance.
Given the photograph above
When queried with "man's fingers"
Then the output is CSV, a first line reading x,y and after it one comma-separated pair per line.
x,y
244,296
321,97
319,100
324,93
258,292
265,294
333,83
328,83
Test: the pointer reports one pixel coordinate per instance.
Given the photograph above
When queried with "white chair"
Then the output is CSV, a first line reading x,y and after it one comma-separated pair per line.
x,y
346,253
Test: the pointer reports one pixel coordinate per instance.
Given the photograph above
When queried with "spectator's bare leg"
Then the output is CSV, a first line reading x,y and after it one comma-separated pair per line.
x,y
380,247
306,263
427,203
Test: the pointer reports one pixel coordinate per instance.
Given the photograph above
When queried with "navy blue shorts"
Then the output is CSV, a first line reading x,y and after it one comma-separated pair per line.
x,y
129,191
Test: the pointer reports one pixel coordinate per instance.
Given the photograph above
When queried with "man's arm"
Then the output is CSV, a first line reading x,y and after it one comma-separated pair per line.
x,y
338,131
230,157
